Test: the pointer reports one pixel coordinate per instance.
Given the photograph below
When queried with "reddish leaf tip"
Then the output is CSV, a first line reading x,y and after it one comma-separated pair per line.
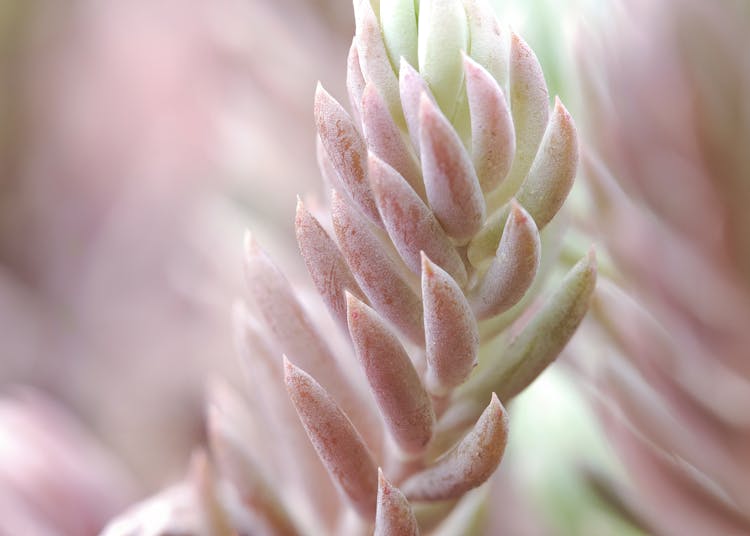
x,y
517,212
289,368
353,305
425,107
428,267
382,482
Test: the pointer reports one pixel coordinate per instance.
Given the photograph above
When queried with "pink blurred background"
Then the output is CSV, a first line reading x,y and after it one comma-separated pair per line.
x,y
137,141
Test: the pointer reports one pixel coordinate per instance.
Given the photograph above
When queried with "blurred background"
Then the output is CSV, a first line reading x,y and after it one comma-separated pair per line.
x,y
139,139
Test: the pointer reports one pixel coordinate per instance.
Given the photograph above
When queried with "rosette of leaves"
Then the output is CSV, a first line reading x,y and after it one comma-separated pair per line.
x,y
443,174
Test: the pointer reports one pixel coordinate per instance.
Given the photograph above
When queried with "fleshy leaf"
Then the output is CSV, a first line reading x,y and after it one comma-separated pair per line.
x,y
355,82
376,273
450,180
493,140
254,490
373,57
529,102
451,334
488,45
404,404
514,267
399,22
292,330
394,515
384,139
337,442
326,265
411,225
542,340
265,375
554,169
346,149
469,464
483,246
443,34
411,88
327,171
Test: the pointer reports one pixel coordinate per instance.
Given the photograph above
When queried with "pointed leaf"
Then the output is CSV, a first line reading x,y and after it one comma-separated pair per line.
x,y
451,334
399,22
493,141
451,183
483,246
469,464
335,439
385,139
542,340
373,57
288,437
292,331
411,88
554,169
410,223
513,270
254,490
442,35
394,515
375,271
488,47
346,149
529,102
395,384
326,265
355,82
330,177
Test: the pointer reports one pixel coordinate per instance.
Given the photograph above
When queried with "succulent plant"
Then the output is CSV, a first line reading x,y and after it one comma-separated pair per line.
x,y
443,179
670,178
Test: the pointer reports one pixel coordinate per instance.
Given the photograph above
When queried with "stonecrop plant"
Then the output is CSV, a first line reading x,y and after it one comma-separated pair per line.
x,y
431,259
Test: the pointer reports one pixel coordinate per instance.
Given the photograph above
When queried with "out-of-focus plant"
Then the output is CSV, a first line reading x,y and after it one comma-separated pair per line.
x,y
668,124
55,478
133,147
442,177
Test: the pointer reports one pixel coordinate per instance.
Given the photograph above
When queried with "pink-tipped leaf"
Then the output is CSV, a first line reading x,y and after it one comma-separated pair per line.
x,y
529,103
395,384
451,333
410,223
326,265
293,332
373,57
394,515
337,442
376,273
554,169
469,464
542,339
411,88
450,180
346,150
488,44
355,81
493,141
385,139
514,267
